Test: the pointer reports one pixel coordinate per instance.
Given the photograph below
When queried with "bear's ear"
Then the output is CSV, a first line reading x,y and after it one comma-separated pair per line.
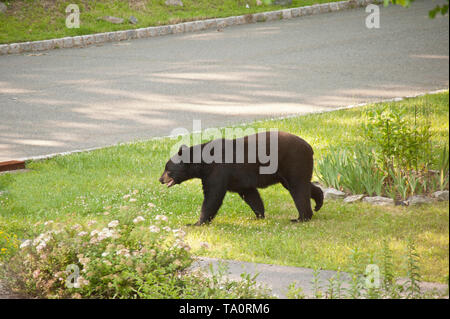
x,y
180,151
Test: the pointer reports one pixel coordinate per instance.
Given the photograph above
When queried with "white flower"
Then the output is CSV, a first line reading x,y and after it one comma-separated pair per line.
x,y
133,199
41,241
166,228
161,217
151,205
48,222
76,227
113,224
94,232
41,246
154,229
92,222
181,245
126,196
179,233
83,233
138,219
26,243
124,251
105,233
105,254
81,282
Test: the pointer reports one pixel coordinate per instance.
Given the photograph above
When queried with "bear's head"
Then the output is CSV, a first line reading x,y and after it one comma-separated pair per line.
x,y
176,170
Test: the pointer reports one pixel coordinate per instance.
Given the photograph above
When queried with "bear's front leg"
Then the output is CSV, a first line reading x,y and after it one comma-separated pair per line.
x,y
214,192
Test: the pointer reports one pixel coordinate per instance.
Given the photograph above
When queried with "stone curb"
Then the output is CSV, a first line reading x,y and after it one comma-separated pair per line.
x,y
192,26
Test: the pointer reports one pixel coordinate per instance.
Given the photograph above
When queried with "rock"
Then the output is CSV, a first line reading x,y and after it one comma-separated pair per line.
x,y
3,7
418,200
174,3
379,200
332,193
401,203
440,195
282,2
111,19
353,198
133,20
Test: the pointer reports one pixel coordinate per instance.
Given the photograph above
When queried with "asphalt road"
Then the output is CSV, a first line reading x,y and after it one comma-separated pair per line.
x,y
278,278
73,99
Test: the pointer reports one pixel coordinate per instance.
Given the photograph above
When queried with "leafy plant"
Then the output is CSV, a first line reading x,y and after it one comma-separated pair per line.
x,y
352,170
443,168
295,292
400,142
413,271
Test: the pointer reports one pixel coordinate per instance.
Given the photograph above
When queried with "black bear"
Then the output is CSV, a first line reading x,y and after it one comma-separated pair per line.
x,y
233,165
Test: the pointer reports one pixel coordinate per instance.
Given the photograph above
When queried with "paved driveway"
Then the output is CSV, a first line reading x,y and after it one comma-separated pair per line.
x,y
80,98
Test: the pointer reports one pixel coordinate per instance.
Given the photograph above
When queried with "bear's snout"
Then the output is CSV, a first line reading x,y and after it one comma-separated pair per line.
x,y
166,179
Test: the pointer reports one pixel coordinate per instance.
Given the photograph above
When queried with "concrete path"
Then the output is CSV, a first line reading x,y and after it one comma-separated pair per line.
x,y
278,278
72,99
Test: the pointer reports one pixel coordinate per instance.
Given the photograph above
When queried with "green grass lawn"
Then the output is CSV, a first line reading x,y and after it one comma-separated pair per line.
x,y
86,186
31,20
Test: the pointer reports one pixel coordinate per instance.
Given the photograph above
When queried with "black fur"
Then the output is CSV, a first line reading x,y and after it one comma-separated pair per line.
x,y
295,167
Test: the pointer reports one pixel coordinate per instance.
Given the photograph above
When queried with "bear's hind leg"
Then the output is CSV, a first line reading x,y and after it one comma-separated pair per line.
x,y
301,193
253,199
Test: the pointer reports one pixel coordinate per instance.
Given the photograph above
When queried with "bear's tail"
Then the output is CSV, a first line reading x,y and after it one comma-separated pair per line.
x,y
317,195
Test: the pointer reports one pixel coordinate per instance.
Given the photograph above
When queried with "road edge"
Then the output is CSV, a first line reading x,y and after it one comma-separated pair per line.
x,y
395,99
185,27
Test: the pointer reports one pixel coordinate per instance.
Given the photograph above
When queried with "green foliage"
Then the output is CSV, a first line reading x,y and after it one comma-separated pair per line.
x,y
295,292
390,287
374,284
442,9
120,260
351,170
399,141
316,284
395,159
443,168
413,287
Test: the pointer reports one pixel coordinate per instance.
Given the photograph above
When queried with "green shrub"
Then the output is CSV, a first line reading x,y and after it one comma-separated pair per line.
x,y
125,259
396,160
351,170
401,142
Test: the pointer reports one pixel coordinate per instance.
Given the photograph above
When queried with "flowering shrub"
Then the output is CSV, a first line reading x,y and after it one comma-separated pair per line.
x,y
131,258
123,260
